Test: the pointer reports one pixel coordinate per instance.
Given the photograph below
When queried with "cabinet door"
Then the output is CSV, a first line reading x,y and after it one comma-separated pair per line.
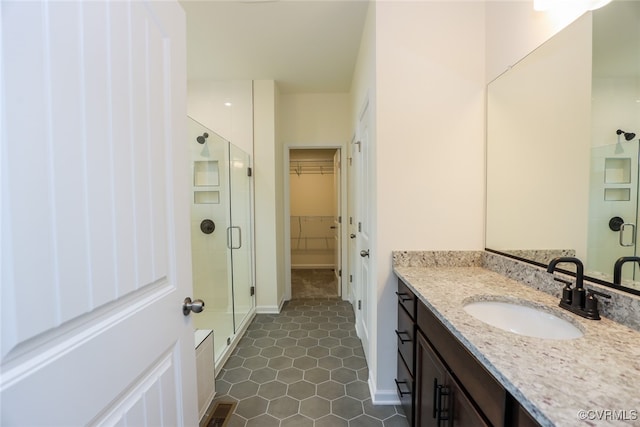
x,y
460,411
440,401
431,378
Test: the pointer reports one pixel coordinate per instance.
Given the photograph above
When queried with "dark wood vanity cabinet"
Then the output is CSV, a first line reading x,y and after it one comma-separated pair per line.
x,y
442,383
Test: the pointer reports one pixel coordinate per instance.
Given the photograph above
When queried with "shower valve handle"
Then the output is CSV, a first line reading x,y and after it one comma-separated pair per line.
x,y
192,306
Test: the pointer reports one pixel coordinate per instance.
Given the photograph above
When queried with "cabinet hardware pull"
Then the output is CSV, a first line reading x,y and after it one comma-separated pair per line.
x,y
402,393
435,397
443,413
403,340
403,296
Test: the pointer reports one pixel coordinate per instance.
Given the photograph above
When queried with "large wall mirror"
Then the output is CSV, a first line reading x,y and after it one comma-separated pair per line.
x,y
562,157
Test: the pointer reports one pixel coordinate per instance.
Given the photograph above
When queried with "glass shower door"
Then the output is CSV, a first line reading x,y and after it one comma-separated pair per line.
x,y
239,234
613,210
210,218
221,236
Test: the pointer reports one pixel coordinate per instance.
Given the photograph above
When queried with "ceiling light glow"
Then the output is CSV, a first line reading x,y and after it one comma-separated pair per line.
x,y
545,5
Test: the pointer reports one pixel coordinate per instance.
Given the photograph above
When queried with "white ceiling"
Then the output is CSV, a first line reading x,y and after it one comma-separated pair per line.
x,y
307,46
310,46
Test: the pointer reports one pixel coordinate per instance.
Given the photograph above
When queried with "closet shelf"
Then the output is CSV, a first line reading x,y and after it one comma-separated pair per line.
x,y
312,233
308,244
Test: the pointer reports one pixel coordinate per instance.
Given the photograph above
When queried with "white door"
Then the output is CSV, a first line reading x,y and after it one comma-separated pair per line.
x,y
363,220
95,216
337,221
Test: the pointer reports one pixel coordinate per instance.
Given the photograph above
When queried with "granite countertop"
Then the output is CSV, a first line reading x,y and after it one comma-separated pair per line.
x,y
560,382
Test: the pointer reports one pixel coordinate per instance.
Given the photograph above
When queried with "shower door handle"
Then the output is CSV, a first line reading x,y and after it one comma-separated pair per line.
x,y
633,235
230,237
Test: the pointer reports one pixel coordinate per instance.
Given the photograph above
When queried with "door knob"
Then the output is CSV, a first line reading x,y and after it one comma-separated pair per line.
x,y
353,236
188,306
207,226
364,253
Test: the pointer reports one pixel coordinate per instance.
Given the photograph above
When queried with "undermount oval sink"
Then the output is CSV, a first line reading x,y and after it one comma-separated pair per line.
x,y
523,320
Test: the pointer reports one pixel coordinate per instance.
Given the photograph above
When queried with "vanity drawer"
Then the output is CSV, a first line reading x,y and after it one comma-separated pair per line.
x,y
406,299
406,337
481,386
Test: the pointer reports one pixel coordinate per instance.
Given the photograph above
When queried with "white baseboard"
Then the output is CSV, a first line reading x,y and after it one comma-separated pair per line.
x,y
267,309
383,397
271,309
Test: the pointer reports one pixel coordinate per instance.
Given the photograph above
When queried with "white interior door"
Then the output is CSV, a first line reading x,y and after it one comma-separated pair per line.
x,y
337,221
363,220
95,216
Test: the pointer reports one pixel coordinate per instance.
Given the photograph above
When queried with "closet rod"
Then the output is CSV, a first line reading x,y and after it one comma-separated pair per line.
x,y
309,166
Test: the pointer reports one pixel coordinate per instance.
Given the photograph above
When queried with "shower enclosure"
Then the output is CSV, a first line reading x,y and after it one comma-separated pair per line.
x,y
613,210
221,237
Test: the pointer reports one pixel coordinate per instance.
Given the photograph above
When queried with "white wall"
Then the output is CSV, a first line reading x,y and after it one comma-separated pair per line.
x,y
314,119
226,107
429,147
268,199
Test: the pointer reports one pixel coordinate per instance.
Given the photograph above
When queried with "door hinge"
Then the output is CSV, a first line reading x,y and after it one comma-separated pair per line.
x,y
359,304
350,220
249,172
340,273
340,219
252,290
359,227
350,278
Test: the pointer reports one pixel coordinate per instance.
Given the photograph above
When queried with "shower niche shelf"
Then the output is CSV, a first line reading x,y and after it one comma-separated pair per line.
x,y
617,170
206,197
617,194
206,173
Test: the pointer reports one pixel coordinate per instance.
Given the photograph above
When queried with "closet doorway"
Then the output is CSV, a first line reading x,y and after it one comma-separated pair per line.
x,y
315,223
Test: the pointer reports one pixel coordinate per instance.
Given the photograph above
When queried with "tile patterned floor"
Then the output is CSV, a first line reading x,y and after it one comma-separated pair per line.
x,y
304,367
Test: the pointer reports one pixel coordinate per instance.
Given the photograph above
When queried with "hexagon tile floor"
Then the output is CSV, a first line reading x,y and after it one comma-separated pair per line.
x,y
303,367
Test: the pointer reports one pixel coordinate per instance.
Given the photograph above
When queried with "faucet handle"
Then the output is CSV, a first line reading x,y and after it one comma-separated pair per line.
x,y
602,294
591,303
566,291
